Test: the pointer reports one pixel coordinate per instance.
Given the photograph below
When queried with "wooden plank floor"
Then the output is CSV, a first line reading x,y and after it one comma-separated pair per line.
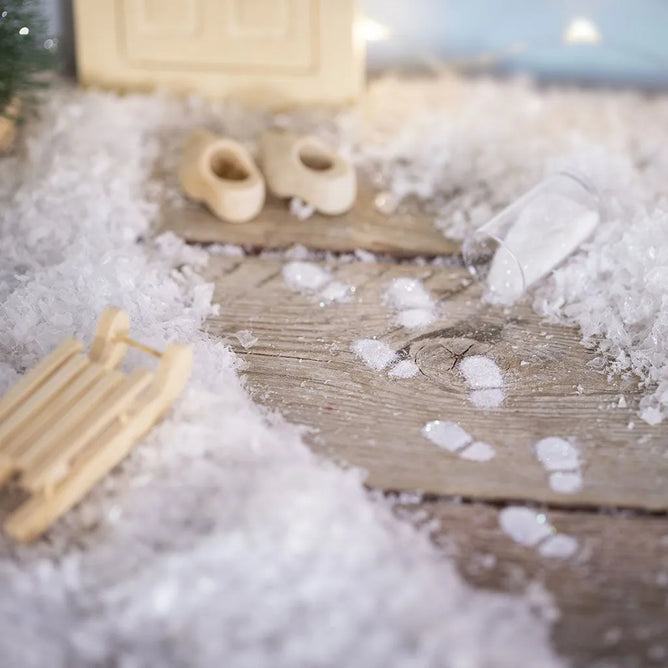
x,y
302,365
612,595
406,233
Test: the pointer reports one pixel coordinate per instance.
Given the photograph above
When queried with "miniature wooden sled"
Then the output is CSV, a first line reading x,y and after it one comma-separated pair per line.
x,y
71,419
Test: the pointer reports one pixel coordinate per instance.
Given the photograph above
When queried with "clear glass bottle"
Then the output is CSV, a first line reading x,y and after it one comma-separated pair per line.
x,y
529,238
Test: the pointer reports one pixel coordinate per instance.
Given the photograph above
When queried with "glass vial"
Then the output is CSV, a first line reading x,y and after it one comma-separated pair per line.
x,y
533,235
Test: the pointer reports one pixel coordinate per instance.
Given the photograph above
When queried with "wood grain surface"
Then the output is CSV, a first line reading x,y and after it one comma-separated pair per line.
x,y
302,365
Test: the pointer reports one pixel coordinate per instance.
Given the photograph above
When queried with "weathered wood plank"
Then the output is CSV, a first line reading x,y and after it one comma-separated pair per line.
x,y
303,366
406,233
611,595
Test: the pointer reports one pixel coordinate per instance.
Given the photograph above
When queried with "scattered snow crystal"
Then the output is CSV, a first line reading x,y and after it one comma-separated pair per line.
x,y
301,209
557,454
447,435
305,276
484,375
528,527
310,278
481,372
412,304
561,459
407,293
336,291
478,452
404,369
375,354
566,482
485,399
615,291
558,546
524,525
246,338
652,415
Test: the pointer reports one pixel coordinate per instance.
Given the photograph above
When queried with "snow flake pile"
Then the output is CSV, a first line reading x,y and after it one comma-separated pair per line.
x,y
483,375
452,437
310,278
411,303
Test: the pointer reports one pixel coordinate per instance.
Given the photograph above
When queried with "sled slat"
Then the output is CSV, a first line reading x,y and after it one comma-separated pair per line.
x,y
54,410
52,461
35,402
36,376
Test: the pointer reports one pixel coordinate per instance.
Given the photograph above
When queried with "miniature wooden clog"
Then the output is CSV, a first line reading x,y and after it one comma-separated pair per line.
x,y
221,173
71,419
305,167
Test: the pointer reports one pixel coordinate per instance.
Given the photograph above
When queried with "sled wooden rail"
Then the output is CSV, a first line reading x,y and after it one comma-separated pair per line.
x,y
73,417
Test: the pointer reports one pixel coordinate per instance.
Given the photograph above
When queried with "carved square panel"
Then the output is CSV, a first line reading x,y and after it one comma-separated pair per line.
x,y
269,34
274,51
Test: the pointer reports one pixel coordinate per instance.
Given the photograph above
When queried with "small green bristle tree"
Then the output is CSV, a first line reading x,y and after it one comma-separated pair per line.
x,y
26,52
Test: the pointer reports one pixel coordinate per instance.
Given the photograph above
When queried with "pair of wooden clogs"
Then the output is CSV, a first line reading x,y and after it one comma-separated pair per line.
x,y
222,173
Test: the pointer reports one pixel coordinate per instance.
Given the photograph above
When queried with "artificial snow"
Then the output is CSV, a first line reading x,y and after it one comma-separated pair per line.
x,y
411,302
336,291
557,454
615,289
484,376
378,355
481,372
478,452
305,276
300,209
452,437
447,435
533,529
558,546
246,338
415,317
312,279
524,525
407,293
652,415
487,399
566,482
440,146
374,353
404,369
561,460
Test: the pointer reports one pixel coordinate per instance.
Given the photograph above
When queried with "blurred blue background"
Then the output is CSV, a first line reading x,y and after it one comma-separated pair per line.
x,y
634,48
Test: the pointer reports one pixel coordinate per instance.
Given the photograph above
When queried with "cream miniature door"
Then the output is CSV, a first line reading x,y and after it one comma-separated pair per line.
x,y
270,51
